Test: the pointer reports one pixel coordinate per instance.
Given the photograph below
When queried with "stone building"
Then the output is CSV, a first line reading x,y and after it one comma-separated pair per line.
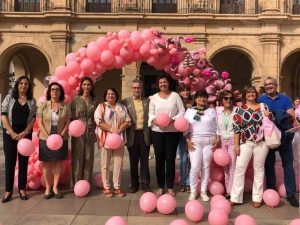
x,y
251,39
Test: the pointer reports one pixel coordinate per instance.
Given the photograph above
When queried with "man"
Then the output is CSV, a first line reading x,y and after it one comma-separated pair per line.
x,y
281,106
138,137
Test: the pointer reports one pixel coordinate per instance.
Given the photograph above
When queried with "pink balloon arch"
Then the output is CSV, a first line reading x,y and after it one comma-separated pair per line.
x,y
117,49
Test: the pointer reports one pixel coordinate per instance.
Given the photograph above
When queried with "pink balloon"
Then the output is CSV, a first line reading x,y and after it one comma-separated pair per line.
x,y
102,42
181,124
42,99
217,174
127,54
217,217
81,188
116,220
147,35
216,198
244,220
92,51
179,222
119,62
54,142
98,180
35,139
82,52
194,211
107,57
124,34
145,50
38,166
70,57
76,128
216,188
35,183
221,157
295,222
115,46
65,85
163,120
271,198
248,185
113,141
25,147
73,82
148,202
61,72
87,65
166,204
136,40
222,204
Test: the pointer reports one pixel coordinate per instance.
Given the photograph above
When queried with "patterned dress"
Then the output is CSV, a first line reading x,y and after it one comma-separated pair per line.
x,y
83,147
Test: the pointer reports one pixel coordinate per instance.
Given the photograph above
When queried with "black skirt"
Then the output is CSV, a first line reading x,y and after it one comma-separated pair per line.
x,y
46,155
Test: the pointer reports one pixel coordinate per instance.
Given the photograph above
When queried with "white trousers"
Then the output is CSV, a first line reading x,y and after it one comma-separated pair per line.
x,y
200,159
259,152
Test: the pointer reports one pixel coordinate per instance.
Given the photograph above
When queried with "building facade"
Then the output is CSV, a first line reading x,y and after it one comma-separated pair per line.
x,y
251,39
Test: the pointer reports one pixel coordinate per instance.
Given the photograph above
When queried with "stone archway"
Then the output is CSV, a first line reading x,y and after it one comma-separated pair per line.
x,y
237,63
23,59
290,75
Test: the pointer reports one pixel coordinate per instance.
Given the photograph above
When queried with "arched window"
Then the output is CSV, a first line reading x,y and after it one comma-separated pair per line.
x,y
98,6
27,5
232,6
164,6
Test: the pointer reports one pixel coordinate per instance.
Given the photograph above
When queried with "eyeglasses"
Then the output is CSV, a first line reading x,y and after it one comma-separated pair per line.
x,y
228,98
55,89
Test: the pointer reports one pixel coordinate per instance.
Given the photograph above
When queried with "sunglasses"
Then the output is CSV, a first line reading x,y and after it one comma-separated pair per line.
x,y
228,98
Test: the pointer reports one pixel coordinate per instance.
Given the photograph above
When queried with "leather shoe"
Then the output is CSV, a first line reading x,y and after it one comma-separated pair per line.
x,y
146,188
57,195
23,196
8,198
133,189
293,201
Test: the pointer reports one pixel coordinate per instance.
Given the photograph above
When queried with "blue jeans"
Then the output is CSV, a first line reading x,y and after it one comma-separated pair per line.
x,y
185,164
286,154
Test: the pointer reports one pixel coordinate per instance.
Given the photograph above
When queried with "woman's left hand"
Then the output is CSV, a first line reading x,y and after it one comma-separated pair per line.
x,y
214,145
21,135
267,113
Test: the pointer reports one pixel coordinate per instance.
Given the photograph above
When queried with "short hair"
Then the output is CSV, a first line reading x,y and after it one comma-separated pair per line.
x,y
223,93
111,89
136,80
62,92
162,76
15,91
271,78
246,89
80,92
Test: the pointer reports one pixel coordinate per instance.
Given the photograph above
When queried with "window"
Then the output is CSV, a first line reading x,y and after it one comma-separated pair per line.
x,y
98,5
232,6
164,6
27,6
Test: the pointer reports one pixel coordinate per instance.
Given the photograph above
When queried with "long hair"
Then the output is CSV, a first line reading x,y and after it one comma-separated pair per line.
x,y
184,87
15,91
62,92
80,92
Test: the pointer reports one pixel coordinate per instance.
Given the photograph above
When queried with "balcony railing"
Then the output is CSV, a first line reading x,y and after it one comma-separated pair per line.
x,y
27,6
232,7
164,7
201,6
98,6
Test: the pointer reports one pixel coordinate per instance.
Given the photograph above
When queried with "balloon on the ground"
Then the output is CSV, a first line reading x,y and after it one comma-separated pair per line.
x,y
81,188
194,211
216,188
179,222
166,204
271,198
148,202
281,190
76,128
295,222
245,220
54,142
222,204
216,198
116,220
217,217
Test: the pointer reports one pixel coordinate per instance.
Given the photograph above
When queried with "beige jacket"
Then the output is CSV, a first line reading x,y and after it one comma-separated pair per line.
x,y
44,114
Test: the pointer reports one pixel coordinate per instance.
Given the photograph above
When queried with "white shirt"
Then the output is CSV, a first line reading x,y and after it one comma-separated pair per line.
x,y
54,118
205,127
223,121
173,106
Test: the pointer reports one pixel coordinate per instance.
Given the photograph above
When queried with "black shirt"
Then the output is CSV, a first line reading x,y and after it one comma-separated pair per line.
x,y
20,115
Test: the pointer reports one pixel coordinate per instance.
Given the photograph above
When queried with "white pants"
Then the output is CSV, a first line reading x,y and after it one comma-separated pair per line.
x,y
259,152
201,156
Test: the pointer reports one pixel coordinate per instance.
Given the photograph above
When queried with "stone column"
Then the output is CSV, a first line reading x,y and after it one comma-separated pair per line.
x,y
129,72
182,6
271,6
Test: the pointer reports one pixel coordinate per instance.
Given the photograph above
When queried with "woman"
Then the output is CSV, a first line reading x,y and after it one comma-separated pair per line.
x,y
54,118
185,94
111,117
225,134
247,121
201,141
165,139
83,107
18,114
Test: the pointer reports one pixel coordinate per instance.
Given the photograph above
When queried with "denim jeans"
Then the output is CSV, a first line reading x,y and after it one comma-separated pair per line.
x,y
286,154
185,164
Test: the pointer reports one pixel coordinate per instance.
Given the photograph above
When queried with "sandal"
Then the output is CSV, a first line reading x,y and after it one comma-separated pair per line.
x,y
256,204
182,188
171,192
119,192
107,192
159,192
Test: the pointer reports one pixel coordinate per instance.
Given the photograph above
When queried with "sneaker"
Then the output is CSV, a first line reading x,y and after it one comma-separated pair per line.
x,y
204,197
193,196
293,201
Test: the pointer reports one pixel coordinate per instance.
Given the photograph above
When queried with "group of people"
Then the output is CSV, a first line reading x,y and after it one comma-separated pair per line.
x,y
135,120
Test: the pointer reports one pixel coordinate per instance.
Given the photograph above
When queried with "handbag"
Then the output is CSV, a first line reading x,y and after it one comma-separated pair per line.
x,y
269,131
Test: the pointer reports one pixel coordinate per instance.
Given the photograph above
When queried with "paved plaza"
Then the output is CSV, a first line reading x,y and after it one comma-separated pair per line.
x,y
96,209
